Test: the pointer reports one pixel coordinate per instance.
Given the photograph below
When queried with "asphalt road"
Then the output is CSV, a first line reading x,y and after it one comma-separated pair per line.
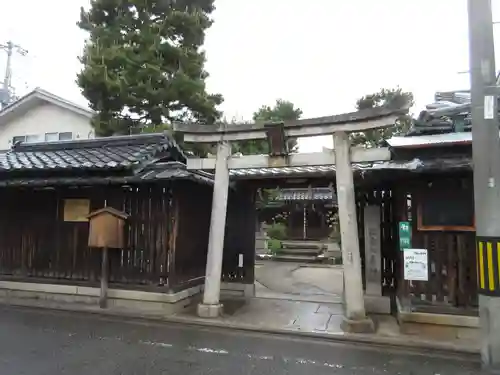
x,y
36,342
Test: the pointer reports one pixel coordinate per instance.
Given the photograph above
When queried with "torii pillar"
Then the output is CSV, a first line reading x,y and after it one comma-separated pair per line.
x,y
211,306
355,318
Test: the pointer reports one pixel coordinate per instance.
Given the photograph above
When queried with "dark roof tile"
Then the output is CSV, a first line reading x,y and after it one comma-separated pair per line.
x,y
155,172
112,153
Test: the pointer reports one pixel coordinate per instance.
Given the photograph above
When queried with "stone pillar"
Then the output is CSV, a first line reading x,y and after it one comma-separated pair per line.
x,y
355,319
373,254
375,302
211,307
260,240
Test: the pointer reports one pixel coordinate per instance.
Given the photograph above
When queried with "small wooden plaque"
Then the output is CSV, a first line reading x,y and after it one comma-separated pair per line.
x,y
76,210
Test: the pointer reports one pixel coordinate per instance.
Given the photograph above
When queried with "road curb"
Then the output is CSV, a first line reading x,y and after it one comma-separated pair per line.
x,y
385,341
408,343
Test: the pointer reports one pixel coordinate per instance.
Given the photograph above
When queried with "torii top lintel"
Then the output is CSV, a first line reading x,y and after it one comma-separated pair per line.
x,y
365,119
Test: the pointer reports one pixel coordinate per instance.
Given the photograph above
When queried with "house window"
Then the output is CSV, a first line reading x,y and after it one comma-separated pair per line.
x,y
51,137
48,137
65,136
18,138
54,137
31,138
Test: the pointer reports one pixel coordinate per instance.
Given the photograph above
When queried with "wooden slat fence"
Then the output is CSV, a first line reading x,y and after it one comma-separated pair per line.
x,y
36,243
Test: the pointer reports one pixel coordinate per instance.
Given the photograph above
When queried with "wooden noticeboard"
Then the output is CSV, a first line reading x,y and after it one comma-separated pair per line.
x,y
107,227
106,231
76,210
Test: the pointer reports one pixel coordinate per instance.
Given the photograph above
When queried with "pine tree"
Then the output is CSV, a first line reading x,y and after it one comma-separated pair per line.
x,y
282,110
391,98
143,64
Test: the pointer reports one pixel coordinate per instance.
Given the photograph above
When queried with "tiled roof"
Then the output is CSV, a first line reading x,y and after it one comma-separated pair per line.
x,y
155,172
282,171
414,165
112,153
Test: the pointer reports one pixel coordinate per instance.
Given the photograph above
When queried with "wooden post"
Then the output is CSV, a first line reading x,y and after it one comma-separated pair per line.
x,y
355,319
106,230
103,298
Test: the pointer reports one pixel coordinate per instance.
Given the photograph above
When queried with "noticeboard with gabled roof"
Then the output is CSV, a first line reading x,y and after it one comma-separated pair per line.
x,y
107,227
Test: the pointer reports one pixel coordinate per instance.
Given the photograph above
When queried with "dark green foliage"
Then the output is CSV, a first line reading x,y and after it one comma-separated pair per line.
x,y
142,64
281,111
392,98
277,231
274,245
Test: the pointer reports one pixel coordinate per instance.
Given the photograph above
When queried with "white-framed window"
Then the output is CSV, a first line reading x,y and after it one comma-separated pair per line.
x,y
29,138
51,137
65,136
32,138
62,136
18,138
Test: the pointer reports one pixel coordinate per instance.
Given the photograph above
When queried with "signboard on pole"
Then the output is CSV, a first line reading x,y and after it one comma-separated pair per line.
x,y
416,265
404,235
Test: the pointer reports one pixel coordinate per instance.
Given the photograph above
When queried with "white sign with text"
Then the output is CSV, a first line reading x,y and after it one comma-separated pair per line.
x,y
416,265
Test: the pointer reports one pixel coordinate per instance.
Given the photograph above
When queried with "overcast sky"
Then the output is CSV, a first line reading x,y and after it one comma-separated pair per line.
x,y
320,54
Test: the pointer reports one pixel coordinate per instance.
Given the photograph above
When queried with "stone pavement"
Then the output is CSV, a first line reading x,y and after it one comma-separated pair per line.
x,y
263,292
304,282
321,320
280,314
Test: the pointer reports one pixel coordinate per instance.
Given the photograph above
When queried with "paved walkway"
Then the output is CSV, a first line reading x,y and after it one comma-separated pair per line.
x,y
281,314
299,282
320,320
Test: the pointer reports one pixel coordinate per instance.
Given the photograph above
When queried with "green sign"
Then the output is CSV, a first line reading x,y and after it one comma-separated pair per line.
x,y
404,235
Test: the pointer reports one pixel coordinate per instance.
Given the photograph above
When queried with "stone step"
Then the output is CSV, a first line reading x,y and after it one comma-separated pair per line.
x,y
300,251
297,258
302,245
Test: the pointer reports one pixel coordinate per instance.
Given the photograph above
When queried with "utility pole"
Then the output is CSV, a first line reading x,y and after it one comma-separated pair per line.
x,y
6,91
486,156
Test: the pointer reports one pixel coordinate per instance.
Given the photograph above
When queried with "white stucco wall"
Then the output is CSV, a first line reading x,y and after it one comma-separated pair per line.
x,y
46,118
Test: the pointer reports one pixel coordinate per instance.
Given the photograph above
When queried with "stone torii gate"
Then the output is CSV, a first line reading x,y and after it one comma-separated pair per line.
x,y
355,319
